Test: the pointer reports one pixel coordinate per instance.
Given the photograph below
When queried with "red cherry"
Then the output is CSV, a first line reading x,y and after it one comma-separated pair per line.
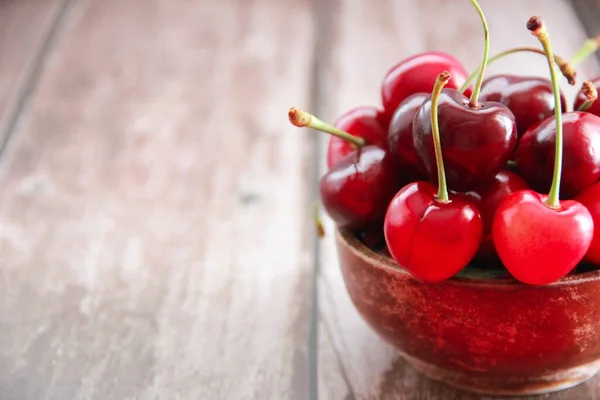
x,y
581,98
356,191
538,244
400,135
529,98
363,122
590,198
487,200
477,142
581,162
417,74
433,240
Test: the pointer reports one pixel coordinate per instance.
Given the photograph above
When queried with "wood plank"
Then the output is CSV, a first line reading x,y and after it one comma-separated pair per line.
x,y
154,220
367,40
25,30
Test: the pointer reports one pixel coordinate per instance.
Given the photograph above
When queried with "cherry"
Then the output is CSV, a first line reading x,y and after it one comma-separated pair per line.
x,y
367,123
357,189
581,166
487,200
400,135
529,98
590,198
539,238
432,236
417,74
582,98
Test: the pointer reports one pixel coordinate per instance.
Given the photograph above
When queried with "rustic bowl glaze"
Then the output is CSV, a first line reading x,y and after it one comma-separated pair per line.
x,y
490,336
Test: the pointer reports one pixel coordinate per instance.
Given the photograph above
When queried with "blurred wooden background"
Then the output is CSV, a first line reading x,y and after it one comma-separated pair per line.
x,y
156,236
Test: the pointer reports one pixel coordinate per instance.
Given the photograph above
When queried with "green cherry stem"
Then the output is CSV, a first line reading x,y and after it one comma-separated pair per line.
x,y
440,82
538,29
303,119
486,52
590,92
588,48
565,67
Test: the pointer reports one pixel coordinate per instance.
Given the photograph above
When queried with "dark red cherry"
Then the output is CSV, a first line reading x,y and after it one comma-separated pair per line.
x,y
476,142
529,98
590,198
417,74
594,108
487,199
357,189
581,153
400,135
365,122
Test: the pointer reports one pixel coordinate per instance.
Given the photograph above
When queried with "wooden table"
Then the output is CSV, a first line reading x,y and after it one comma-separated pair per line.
x,y
156,229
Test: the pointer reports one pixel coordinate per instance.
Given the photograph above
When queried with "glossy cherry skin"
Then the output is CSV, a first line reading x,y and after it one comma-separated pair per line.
x,y
580,99
365,122
539,245
432,240
418,74
400,135
487,199
530,99
356,191
590,198
476,142
581,153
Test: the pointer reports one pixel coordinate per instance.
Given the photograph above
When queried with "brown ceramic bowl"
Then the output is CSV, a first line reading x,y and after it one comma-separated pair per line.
x,y
485,335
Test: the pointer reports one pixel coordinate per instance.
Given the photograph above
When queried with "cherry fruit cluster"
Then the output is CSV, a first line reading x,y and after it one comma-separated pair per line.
x,y
447,172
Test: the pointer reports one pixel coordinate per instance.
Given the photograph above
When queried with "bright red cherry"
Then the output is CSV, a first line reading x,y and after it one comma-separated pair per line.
x,y
529,98
581,161
400,135
487,199
433,236
417,74
363,122
539,238
356,191
590,198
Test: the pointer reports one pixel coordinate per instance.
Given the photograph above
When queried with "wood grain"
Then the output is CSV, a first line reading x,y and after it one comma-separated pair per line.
x,y
25,31
366,42
154,219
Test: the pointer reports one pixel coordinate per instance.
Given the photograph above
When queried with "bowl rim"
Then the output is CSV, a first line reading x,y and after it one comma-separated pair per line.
x,y
369,256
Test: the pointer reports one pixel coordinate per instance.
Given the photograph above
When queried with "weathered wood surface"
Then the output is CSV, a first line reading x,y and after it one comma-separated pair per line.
x,y
366,40
26,32
155,219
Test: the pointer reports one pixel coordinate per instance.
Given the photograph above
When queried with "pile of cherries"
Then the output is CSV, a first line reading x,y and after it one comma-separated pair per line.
x,y
446,175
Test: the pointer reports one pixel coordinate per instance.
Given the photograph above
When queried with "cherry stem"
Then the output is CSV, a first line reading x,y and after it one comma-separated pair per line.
x,y
538,29
566,68
440,82
303,119
588,48
486,53
590,92
317,220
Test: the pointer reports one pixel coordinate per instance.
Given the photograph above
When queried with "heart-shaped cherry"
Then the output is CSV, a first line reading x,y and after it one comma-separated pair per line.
x,y
367,123
581,161
417,74
477,138
487,199
400,135
432,236
357,189
539,238
529,98
590,198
